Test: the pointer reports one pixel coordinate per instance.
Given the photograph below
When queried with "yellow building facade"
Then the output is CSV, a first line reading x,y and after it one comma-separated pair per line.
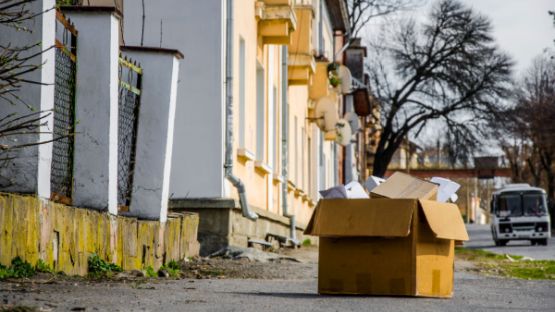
x,y
259,103
258,68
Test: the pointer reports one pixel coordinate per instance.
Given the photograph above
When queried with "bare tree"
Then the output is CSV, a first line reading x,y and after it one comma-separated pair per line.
x,y
446,70
16,63
552,13
533,118
363,11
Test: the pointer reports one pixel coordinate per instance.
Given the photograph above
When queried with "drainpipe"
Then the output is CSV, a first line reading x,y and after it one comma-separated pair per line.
x,y
228,165
284,151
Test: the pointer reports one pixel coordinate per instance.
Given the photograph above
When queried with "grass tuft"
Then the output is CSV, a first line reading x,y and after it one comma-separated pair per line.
x,y
17,269
512,266
43,267
98,268
173,268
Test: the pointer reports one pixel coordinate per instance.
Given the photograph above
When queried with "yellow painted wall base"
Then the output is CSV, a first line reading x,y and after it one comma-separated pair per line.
x,y
64,237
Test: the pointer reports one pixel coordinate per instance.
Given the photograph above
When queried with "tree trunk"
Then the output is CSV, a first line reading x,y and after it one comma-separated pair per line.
x,y
535,171
383,158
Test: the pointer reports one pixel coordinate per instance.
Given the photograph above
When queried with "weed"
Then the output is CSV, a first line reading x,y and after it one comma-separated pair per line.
x,y
99,268
173,268
17,269
307,242
4,272
22,268
18,308
43,267
149,272
512,266
174,265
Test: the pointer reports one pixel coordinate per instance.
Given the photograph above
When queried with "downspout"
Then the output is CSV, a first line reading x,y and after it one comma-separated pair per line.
x,y
284,151
228,164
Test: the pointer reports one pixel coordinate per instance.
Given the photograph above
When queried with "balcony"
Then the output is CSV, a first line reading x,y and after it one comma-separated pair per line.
x,y
276,21
301,60
320,81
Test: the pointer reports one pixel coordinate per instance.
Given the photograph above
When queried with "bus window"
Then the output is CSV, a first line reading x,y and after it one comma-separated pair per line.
x,y
534,204
509,205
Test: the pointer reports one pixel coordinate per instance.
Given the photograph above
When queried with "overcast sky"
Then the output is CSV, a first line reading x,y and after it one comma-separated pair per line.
x,y
522,27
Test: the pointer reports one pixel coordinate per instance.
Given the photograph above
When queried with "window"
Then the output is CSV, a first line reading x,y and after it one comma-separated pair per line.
x,y
276,129
321,161
296,141
520,204
534,204
242,57
309,175
303,152
260,113
510,205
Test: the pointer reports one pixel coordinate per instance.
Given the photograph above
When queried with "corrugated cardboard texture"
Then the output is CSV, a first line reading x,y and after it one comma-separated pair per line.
x,y
361,217
360,254
434,262
401,185
445,220
366,266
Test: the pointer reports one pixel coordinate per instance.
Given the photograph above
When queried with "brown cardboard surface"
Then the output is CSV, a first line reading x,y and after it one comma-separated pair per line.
x,y
401,185
434,262
362,217
366,266
445,220
361,254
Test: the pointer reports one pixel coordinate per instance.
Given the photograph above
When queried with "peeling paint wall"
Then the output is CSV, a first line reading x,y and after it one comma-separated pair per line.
x,y
64,237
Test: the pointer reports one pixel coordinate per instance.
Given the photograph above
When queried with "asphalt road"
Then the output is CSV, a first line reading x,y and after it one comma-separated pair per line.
x,y
472,293
480,237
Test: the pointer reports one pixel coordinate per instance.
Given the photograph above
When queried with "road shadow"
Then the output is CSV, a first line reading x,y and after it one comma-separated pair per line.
x,y
284,295
292,295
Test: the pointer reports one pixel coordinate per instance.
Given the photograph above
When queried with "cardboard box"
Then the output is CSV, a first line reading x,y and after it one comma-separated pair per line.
x,y
402,185
386,246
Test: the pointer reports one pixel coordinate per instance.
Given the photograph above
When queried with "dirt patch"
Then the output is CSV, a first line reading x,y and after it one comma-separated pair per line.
x,y
304,266
225,268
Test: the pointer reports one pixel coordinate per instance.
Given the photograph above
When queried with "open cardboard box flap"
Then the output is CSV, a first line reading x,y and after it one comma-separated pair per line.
x,y
361,217
444,219
383,217
402,185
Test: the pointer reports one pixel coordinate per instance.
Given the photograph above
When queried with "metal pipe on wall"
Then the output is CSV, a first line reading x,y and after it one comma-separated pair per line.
x,y
284,150
228,164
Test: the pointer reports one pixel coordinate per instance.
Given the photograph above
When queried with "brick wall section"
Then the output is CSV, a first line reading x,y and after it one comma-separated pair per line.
x,y
64,237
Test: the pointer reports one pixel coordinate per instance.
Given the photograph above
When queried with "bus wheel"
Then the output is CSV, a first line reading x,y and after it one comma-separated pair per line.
x,y
501,242
542,241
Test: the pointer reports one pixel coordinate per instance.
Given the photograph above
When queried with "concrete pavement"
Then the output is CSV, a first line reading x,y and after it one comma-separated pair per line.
x,y
472,293
295,290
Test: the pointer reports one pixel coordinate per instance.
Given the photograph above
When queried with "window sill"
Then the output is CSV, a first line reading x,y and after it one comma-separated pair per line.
x,y
245,154
291,186
278,178
262,167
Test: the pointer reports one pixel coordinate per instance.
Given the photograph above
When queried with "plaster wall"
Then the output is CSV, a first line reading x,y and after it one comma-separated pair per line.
x,y
96,150
29,171
149,198
196,29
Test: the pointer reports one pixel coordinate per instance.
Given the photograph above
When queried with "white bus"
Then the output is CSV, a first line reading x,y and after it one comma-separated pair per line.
x,y
519,212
